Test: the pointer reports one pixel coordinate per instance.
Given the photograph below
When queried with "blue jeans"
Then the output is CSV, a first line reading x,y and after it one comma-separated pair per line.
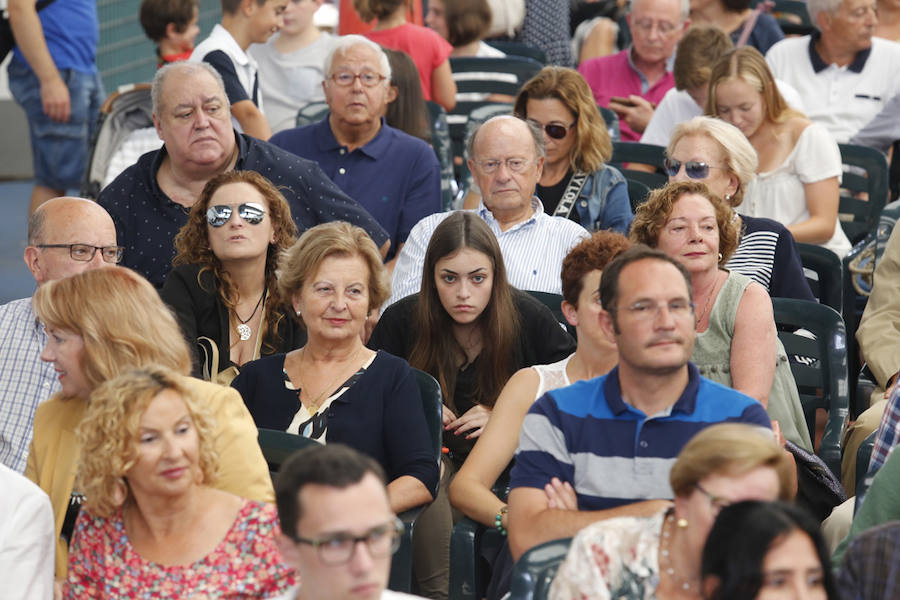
x,y
60,151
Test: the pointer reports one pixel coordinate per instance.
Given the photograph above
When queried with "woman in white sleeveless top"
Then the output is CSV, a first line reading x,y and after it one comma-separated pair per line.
x,y
470,490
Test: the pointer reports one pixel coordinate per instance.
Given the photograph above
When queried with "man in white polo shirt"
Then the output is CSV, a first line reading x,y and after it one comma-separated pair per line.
x,y
843,74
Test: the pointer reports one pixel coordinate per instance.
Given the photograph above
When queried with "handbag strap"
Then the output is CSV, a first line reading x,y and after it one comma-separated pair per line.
x,y
750,23
571,193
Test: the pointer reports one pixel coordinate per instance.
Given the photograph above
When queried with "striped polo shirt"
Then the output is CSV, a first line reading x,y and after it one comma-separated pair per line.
x,y
609,451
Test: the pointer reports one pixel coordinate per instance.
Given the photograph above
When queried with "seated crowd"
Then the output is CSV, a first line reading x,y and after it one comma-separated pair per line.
x,y
569,362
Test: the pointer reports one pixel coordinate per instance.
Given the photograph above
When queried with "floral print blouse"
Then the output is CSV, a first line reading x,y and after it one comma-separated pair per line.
x,y
615,559
245,564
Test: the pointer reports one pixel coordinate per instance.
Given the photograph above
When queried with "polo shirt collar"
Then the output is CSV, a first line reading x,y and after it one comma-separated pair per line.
x,y
818,64
239,140
536,206
686,403
670,63
374,148
230,46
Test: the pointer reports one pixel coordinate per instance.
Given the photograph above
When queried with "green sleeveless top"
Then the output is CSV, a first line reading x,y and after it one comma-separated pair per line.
x,y
712,355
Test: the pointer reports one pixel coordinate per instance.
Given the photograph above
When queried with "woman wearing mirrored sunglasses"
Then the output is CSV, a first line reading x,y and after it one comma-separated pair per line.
x,y
716,153
736,343
799,167
560,102
223,286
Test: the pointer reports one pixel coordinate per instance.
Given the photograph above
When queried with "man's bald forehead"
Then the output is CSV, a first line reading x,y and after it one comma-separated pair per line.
x,y
61,211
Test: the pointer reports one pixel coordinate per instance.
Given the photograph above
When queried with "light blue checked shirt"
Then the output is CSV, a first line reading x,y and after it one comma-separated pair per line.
x,y
533,251
25,380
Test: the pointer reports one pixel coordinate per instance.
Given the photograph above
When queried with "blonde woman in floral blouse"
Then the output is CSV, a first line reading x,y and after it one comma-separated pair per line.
x,y
658,557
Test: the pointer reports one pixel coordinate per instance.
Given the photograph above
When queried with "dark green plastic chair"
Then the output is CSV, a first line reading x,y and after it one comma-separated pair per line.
x,y
635,152
469,540
860,217
519,49
820,368
554,303
638,190
521,67
311,113
826,287
400,579
277,446
792,17
440,142
535,570
612,123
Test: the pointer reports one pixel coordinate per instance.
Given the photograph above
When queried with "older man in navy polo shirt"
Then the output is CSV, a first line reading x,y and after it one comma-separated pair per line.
x,y
394,176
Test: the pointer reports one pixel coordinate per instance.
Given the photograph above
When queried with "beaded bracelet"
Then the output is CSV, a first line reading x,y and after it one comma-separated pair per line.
x,y
498,520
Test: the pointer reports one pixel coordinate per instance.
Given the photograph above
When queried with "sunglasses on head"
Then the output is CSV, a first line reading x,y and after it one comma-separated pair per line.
x,y
251,212
692,168
557,132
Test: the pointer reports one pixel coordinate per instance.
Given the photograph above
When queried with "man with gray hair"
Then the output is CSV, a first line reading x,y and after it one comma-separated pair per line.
x,y
396,177
150,200
843,74
506,157
632,82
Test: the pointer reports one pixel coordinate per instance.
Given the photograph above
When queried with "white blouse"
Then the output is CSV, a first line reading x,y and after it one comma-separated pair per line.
x,y
779,194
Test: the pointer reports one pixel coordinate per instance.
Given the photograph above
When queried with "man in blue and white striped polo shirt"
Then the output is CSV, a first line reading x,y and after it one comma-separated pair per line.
x,y
608,443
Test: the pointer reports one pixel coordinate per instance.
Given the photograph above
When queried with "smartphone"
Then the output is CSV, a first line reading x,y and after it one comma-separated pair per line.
x,y
623,101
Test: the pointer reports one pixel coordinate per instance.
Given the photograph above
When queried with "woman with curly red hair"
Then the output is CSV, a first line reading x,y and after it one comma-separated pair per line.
x,y
223,285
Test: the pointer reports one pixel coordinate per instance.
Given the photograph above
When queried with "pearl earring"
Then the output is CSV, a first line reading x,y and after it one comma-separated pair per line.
x,y
682,523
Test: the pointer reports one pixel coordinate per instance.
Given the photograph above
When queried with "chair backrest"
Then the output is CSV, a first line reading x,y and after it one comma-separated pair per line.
x,y
638,190
819,367
535,570
860,216
612,123
826,266
311,113
863,477
519,49
440,141
635,152
277,446
432,402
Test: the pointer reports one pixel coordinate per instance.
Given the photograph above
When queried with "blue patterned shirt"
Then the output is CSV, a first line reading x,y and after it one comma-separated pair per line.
x,y
888,431
25,381
533,251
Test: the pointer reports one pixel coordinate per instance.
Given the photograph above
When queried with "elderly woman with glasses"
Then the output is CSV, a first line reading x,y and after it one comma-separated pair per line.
x,y
575,183
222,288
717,153
736,343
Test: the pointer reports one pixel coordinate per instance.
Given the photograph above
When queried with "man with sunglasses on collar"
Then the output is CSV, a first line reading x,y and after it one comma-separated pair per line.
x,y
506,158
396,177
338,531
150,200
66,236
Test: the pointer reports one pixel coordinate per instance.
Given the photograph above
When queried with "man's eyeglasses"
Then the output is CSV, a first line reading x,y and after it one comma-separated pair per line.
x,y
338,548
251,212
516,165
367,78
692,168
554,130
646,310
646,26
86,252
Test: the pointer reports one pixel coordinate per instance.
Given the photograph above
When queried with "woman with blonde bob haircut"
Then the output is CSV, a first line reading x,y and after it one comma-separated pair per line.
x,y
99,324
660,556
150,517
736,343
334,278
799,167
223,284
575,183
717,153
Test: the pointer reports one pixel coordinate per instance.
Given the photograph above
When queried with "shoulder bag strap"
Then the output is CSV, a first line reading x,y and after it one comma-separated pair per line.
x,y
570,195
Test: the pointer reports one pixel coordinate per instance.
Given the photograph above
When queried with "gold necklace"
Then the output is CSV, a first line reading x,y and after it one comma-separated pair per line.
x,y
708,299
665,558
330,387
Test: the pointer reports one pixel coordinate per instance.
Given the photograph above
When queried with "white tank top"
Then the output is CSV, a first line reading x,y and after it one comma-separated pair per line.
x,y
552,376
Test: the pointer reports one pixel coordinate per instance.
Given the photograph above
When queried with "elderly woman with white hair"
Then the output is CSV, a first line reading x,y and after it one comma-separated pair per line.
x,y
717,153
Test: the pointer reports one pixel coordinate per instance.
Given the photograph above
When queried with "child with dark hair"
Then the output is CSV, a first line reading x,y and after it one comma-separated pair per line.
x,y
172,25
244,22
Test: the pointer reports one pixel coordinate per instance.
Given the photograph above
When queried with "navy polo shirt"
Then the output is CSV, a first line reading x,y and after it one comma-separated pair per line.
x,y
395,176
612,453
147,220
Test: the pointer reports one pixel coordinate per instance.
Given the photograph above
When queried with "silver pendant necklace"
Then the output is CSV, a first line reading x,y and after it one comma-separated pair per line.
x,y
243,329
